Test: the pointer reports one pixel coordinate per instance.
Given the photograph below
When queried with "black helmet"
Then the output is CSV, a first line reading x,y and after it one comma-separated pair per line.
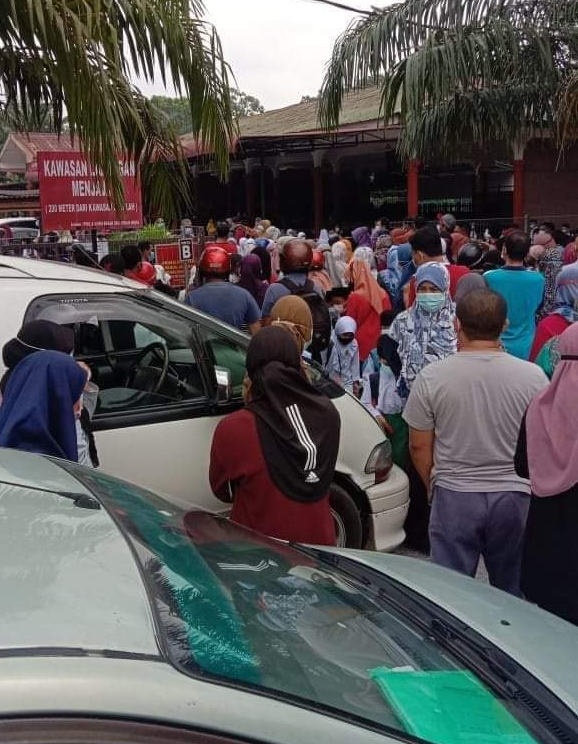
x,y
471,255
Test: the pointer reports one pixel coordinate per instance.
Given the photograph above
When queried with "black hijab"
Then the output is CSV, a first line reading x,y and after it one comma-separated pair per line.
x,y
387,349
298,426
38,335
260,250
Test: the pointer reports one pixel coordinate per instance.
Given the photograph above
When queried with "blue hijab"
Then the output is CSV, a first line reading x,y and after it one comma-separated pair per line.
x,y
37,414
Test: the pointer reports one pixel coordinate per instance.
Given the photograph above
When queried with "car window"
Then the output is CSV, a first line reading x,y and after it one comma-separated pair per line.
x,y
228,353
236,605
140,354
231,354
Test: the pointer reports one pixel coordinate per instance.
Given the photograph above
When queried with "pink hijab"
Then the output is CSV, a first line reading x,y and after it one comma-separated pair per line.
x,y
552,425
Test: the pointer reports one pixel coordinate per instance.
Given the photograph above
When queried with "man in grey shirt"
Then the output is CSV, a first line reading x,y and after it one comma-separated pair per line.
x,y
464,415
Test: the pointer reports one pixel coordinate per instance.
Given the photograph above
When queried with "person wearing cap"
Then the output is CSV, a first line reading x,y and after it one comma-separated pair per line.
x,y
218,297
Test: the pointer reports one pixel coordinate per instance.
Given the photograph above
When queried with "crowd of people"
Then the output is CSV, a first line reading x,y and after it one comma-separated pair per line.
x,y
464,352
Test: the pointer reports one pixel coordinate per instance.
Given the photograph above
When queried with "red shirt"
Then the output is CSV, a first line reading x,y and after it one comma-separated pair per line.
x,y
455,272
237,458
548,328
368,322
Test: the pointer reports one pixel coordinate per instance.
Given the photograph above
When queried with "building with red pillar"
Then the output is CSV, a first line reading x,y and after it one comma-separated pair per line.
x,y
285,168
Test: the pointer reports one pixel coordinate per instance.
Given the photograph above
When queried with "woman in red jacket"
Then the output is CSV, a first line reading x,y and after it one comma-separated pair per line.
x,y
365,305
275,459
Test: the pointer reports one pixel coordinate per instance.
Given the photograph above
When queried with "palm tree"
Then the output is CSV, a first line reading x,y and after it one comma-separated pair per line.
x,y
77,56
463,73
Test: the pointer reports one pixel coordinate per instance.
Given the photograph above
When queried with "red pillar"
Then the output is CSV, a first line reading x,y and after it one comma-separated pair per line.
x,y
318,199
519,196
413,167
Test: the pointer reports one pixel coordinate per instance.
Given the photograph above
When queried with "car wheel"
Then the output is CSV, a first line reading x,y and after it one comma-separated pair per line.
x,y
346,518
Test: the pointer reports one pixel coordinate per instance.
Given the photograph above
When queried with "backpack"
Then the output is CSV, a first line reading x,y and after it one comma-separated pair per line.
x,y
319,312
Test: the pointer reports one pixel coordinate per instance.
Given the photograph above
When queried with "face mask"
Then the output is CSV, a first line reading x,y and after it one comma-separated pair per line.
x,y
345,341
339,309
430,301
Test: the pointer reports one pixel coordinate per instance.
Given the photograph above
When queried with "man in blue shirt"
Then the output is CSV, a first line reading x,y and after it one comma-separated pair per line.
x,y
523,291
221,299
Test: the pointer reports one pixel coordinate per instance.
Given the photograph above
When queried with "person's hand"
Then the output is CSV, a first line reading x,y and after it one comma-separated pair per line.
x,y
385,425
88,371
246,389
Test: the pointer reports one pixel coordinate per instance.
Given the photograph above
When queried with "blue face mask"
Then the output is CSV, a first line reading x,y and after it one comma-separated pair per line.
x,y
430,301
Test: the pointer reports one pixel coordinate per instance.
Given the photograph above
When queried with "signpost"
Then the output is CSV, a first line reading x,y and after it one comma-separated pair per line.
x,y
177,259
73,194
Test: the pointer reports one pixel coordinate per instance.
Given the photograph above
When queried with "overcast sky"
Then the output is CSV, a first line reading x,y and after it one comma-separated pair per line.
x,y
277,48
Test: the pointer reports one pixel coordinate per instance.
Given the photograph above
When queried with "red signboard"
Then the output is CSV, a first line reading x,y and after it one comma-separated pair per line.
x,y
169,256
73,194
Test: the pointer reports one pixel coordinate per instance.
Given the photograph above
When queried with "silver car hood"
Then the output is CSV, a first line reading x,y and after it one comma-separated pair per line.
x,y
543,644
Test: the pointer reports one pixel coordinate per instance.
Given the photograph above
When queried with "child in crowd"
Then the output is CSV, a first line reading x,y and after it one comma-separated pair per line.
x,y
343,364
373,362
336,300
382,401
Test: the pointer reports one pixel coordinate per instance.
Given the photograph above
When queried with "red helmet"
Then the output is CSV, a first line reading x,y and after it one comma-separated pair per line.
x,y
296,257
317,262
146,273
215,261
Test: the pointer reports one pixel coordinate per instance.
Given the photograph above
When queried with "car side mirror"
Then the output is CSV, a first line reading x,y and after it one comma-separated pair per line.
x,y
224,384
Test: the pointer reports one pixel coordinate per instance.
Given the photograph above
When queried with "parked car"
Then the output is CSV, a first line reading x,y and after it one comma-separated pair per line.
x,y
167,373
22,228
126,618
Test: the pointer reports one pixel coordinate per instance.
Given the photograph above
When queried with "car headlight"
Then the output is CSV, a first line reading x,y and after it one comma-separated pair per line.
x,y
380,462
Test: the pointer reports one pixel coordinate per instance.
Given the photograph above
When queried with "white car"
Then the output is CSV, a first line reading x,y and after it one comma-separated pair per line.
x,y
22,228
167,373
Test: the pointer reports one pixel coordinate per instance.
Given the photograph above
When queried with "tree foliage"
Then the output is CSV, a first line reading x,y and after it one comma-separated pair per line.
x,y
178,110
75,56
463,72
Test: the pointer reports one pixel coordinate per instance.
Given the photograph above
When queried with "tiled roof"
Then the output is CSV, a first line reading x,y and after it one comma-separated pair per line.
x,y
360,111
22,194
358,108
34,142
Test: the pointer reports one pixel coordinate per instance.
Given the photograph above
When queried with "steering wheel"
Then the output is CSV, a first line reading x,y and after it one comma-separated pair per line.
x,y
143,376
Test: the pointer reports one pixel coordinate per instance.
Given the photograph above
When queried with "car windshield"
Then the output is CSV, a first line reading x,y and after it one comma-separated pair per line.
x,y
241,608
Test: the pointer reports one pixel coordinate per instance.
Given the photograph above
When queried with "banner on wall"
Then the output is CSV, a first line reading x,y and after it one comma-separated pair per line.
x,y
73,194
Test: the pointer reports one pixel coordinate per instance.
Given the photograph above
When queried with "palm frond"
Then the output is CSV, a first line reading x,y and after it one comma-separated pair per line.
x,y
76,57
444,65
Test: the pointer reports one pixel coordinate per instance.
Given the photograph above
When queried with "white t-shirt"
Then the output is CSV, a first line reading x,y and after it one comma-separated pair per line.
x,y
475,402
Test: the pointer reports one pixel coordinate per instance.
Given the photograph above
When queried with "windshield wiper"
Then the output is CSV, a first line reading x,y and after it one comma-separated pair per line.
x,y
81,500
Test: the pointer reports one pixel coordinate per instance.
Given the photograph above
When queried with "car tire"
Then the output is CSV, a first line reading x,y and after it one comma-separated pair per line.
x,y
346,517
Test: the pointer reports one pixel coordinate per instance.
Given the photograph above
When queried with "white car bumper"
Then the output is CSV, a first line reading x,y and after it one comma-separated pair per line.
x,y
389,502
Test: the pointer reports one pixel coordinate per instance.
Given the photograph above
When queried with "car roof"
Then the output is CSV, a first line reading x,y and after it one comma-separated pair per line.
x,y
39,269
68,579
17,220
